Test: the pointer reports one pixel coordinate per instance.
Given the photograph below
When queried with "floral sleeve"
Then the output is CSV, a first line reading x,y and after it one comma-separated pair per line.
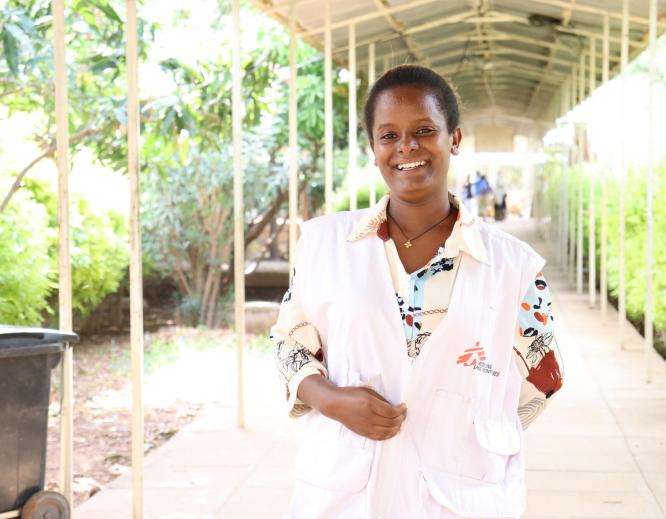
x,y
537,355
297,345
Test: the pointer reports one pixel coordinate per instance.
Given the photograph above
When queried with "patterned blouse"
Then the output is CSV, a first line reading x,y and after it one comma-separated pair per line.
x,y
423,298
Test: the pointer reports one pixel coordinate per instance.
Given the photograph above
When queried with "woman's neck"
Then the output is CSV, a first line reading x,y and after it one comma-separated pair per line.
x,y
414,217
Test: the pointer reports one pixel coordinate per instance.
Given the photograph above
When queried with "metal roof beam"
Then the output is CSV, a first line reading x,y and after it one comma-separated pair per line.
x,y
566,19
399,27
369,16
504,51
503,66
383,38
436,60
582,8
482,8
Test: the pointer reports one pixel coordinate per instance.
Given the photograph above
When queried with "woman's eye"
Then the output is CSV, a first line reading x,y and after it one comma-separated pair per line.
x,y
389,135
425,131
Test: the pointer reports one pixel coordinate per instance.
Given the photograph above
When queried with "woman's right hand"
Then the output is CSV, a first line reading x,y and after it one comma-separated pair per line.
x,y
360,409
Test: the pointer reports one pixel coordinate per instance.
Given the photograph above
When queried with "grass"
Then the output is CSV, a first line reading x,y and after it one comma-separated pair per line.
x,y
170,345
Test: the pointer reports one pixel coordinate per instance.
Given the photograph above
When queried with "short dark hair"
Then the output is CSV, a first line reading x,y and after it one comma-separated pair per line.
x,y
414,75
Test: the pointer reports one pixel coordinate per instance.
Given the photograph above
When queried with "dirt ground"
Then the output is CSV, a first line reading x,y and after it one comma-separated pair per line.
x,y
102,421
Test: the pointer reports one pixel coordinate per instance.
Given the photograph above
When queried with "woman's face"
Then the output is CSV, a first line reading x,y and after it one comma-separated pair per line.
x,y
411,142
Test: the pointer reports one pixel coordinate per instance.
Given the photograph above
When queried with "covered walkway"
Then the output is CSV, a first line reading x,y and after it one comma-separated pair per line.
x,y
598,451
522,65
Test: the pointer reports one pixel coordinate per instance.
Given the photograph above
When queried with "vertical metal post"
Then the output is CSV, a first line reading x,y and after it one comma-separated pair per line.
x,y
293,140
624,61
572,224
64,259
371,80
239,213
581,183
353,145
571,194
564,231
603,296
591,240
136,276
579,218
328,109
581,78
649,243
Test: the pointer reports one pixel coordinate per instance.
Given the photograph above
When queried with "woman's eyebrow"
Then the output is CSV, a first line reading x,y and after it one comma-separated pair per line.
x,y
418,121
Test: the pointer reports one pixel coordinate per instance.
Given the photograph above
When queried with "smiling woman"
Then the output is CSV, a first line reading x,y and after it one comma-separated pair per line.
x,y
432,428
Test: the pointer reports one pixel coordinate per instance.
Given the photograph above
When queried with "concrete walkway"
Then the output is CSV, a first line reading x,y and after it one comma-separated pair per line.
x,y
598,451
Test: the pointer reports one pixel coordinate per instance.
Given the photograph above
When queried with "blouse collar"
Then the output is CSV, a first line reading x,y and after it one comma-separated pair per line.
x,y
465,235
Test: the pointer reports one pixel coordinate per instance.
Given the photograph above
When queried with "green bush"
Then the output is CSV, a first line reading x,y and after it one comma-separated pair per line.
x,y
362,196
29,255
635,235
26,274
100,255
635,243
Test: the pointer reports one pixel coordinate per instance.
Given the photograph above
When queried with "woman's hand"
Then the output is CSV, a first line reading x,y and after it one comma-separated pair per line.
x,y
360,409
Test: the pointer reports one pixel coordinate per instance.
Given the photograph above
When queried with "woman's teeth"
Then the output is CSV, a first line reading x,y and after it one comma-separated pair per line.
x,y
410,165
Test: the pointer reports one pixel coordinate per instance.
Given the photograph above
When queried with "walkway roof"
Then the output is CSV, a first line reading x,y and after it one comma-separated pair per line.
x,y
508,58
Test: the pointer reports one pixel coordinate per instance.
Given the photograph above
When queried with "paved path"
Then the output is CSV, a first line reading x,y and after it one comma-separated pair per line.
x,y
598,451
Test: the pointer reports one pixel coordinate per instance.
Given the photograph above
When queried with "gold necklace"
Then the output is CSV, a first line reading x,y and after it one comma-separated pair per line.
x,y
408,243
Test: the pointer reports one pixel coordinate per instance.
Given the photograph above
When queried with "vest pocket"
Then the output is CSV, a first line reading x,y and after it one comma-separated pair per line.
x,y
461,443
330,457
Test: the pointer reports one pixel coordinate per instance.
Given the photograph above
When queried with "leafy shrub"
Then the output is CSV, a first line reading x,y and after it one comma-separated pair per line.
x,y
29,255
26,274
635,234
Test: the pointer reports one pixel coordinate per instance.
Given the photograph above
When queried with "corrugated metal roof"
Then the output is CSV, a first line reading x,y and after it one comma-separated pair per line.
x,y
509,57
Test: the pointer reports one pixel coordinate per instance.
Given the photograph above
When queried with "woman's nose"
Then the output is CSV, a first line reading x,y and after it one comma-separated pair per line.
x,y
407,144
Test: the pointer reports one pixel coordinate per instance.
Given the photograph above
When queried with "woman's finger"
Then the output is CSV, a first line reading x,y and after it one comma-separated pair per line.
x,y
383,408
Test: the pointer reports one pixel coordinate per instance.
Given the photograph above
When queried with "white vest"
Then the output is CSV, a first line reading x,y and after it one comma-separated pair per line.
x,y
461,444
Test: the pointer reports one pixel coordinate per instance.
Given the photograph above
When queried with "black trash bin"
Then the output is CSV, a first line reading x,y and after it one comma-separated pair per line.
x,y
27,356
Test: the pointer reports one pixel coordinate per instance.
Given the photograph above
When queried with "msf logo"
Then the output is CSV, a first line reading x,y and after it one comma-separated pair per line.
x,y
472,356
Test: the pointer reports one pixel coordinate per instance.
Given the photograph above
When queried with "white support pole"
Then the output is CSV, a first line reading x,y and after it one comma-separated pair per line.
x,y
622,302
328,110
591,239
649,243
239,213
572,195
581,189
293,142
580,218
353,145
564,229
136,275
572,223
574,86
371,80
603,296
64,258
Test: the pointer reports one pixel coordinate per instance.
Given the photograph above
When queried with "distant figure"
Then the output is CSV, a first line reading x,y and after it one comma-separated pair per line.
x,y
500,208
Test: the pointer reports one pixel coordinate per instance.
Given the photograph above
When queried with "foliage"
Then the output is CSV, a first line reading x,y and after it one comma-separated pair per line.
x,y
185,155
188,173
99,246
635,233
26,274
635,243
362,196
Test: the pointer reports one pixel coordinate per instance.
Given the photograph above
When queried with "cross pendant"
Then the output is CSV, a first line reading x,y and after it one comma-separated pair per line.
x,y
408,244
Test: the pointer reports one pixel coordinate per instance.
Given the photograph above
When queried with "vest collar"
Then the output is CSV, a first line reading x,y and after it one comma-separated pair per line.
x,y
465,235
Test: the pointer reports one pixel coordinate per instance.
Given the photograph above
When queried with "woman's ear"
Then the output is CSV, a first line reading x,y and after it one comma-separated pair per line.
x,y
456,137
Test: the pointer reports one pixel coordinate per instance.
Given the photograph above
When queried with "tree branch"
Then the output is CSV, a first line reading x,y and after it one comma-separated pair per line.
x,y
49,152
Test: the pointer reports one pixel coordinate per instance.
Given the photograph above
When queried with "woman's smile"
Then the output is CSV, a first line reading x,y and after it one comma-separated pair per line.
x,y
405,167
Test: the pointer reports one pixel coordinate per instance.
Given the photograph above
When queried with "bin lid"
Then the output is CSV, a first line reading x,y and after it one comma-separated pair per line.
x,y
17,341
